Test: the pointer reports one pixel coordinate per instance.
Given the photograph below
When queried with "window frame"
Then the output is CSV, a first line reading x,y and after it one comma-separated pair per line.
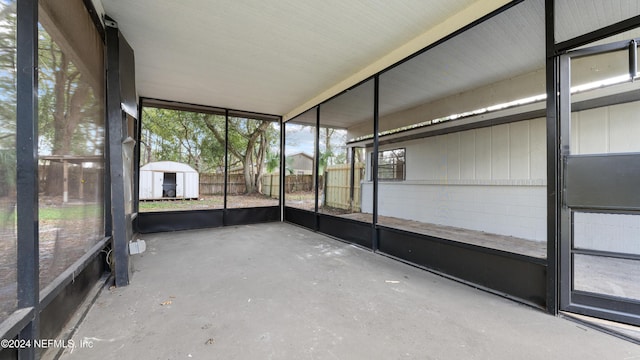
x,y
394,166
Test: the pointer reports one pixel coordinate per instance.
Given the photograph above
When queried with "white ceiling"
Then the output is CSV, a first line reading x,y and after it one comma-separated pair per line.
x,y
504,47
507,45
272,56
264,56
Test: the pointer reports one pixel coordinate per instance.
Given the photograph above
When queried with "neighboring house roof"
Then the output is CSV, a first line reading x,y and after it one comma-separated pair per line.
x,y
300,154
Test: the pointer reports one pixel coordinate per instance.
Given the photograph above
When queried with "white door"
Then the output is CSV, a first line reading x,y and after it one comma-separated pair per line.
x,y
158,178
600,213
191,185
146,185
179,185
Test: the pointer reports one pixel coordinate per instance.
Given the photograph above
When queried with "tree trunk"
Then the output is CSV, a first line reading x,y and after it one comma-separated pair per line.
x,y
250,181
262,150
67,115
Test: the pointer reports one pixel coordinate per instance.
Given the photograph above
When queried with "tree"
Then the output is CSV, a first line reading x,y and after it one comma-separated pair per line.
x,y
7,98
332,149
249,140
199,140
70,115
181,136
273,161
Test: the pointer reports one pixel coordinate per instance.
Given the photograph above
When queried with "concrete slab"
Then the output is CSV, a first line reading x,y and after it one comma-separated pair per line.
x,y
277,291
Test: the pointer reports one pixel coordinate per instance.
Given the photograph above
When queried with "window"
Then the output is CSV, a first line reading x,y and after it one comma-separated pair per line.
x,y
391,164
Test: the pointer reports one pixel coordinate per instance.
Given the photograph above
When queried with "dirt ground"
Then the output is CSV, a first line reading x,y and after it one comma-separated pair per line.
x,y
8,253
306,200
209,202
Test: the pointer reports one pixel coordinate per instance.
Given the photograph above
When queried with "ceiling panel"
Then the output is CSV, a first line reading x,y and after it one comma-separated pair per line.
x,y
272,56
505,46
264,56
349,108
578,17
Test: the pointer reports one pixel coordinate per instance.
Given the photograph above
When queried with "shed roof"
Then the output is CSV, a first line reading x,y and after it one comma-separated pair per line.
x,y
167,166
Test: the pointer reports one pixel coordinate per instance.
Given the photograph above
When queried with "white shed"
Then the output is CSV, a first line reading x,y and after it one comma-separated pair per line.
x,y
168,180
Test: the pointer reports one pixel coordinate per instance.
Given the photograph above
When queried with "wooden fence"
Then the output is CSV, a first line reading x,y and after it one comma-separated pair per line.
x,y
293,183
338,187
271,185
336,181
213,184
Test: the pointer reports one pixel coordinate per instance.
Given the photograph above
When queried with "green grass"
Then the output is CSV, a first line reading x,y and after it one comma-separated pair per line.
x,y
70,212
180,204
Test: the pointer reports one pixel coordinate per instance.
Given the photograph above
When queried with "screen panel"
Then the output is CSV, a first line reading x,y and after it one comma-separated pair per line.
x,y
578,17
71,136
300,161
342,165
181,159
8,216
462,152
253,161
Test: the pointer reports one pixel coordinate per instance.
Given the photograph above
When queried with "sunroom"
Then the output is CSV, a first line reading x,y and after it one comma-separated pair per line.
x,y
493,144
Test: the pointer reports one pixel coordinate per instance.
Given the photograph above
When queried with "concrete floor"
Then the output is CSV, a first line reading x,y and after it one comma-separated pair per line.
x,y
276,291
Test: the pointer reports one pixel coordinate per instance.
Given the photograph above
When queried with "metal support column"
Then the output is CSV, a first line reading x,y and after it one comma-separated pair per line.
x,y
226,159
27,169
374,160
553,161
136,161
352,178
116,165
283,170
633,60
317,166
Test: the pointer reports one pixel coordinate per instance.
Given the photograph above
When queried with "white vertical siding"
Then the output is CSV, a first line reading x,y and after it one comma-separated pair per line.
x,y
483,153
158,179
538,149
493,179
453,155
624,128
468,155
500,151
489,179
146,184
180,184
519,150
192,188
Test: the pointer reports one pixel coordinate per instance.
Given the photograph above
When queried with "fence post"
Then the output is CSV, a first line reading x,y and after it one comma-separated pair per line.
x,y
271,185
324,188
